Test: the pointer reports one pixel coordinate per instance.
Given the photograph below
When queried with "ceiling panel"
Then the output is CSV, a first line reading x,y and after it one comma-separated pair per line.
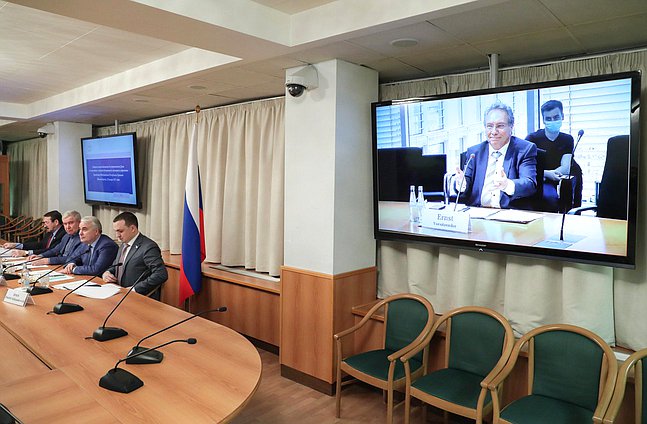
x,y
577,12
499,21
626,32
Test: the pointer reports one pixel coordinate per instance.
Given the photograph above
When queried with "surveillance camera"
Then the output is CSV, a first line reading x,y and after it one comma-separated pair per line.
x,y
47,129
302,80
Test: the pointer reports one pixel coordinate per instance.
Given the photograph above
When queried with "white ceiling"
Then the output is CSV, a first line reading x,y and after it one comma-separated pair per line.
x,y
93,61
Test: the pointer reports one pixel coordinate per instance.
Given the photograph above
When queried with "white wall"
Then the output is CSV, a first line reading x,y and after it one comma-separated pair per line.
x,y
328,171
64,168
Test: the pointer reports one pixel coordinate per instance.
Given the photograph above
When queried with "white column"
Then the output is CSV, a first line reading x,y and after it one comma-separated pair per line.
x,y
328,166
64,168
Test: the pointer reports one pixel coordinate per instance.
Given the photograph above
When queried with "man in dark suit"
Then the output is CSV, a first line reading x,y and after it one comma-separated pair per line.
x,y
70,241
503,171
140,257
96,251
53,235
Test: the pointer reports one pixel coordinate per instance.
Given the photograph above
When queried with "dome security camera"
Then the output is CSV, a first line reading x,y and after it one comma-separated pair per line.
x,y
46,130
302,80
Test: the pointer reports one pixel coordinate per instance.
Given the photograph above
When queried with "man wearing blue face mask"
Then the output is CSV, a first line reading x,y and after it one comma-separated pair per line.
x,y
556,148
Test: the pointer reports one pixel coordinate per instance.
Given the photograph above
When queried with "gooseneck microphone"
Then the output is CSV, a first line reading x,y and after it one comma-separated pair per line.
x,y
104,333
35,290
580,133
458,195
143,355
15,276
122,381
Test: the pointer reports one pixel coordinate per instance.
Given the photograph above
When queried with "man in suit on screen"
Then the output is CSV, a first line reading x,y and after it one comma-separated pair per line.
x,y
96,251
503,170
53,234
140,257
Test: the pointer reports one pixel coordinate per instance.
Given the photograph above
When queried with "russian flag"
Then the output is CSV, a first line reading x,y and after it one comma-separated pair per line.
x,y
193,250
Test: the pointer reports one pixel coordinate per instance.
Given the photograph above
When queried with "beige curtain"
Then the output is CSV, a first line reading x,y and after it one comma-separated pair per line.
x,y
240,153
529,292
27,171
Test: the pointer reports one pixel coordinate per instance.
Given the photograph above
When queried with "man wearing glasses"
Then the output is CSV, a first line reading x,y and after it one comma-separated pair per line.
x,y
502,171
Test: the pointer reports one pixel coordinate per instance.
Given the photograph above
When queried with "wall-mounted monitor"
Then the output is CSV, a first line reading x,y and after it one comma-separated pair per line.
x,y
110,170
569,178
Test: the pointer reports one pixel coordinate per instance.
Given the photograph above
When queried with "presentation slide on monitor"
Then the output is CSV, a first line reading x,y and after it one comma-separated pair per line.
x,y
109,167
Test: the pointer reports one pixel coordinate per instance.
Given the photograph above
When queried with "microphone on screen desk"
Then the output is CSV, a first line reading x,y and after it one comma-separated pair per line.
x,y
104,333
460,186
122,381
152,356
580,133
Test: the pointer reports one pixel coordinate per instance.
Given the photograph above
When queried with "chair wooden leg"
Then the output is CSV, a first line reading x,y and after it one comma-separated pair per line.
x,y
389,407
407,405
338,394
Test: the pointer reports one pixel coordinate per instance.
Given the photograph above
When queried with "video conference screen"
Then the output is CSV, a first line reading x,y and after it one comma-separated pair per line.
x,y
547,169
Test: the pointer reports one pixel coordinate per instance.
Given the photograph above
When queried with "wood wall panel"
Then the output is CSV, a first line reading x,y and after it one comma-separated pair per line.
x,y
313,307
252,304
251,312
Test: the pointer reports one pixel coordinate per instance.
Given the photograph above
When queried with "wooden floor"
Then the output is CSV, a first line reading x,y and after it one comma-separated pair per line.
x,y
282,401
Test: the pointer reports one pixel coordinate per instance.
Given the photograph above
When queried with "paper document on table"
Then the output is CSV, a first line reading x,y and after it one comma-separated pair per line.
x,y
481,213
511,215
99,292
53,276
37,266
69,286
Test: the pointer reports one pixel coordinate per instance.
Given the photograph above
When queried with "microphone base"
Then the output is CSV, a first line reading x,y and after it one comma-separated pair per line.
x,y
102,334
66,308
11,276
120,380
152,357
35,290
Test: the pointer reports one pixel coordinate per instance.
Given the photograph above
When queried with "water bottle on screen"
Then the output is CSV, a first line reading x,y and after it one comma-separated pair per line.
x,y
420,202
413,206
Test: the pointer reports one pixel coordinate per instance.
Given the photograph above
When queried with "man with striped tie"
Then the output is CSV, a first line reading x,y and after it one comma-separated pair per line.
x,y
69,242
502,171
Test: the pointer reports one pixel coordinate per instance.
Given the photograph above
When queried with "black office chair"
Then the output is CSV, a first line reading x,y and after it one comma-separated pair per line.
x,y
611,201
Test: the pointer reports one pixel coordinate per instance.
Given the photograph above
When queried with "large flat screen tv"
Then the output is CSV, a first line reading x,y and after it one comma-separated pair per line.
x,y
110,170
564,186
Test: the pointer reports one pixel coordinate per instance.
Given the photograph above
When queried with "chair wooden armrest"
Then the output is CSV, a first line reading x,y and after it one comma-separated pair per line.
x,y
360,324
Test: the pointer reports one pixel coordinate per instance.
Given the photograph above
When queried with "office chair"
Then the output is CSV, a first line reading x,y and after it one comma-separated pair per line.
x,y
635,362
571,374
408,318
611,199
478,343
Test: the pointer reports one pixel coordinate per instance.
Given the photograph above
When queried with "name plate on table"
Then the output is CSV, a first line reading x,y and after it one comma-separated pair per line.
x,y
456,221
18,297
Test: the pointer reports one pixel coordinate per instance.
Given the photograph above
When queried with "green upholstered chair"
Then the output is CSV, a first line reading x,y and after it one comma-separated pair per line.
x,y
478,343
408,318
571,374
635,362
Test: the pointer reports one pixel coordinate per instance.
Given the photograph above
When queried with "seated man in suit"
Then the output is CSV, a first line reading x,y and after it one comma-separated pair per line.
x,y
503,170
96,251
53,235
61,252
140,257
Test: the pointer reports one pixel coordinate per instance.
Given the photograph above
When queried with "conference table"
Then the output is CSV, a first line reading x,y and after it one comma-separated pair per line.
x,y
588,233
50,370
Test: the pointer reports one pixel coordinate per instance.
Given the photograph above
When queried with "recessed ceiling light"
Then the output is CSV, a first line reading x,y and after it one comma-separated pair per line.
x,y
404,42
197,87
140,101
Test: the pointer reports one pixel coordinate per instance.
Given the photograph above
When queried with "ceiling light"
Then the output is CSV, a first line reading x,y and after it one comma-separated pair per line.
x,y
404,42
140,101
197,87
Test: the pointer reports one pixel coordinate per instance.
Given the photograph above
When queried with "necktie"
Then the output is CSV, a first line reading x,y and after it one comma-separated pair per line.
x,y
122,258
490,196
49,242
